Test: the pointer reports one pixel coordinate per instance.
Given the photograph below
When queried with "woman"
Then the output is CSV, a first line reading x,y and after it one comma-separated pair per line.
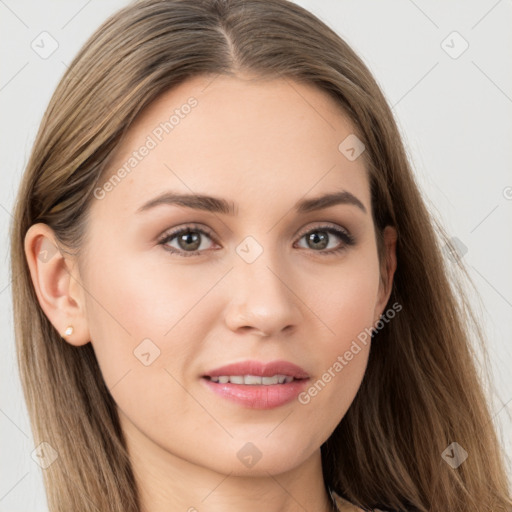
x,y
307,351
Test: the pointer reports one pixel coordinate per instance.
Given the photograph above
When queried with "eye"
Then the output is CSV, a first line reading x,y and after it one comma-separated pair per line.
x,y
318,238
188,239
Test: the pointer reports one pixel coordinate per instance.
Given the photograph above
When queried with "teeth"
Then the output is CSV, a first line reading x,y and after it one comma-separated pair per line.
x,y
252,380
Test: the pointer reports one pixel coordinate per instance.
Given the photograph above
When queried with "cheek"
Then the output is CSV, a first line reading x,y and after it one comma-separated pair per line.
x,y
345,308
143,324
144,342
153,295
134,314
136,298
346,300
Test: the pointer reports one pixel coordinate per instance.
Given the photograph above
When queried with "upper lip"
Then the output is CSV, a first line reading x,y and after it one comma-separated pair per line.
x,y
260,369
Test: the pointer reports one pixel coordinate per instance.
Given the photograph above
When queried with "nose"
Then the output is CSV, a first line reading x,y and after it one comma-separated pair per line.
x,y
262,298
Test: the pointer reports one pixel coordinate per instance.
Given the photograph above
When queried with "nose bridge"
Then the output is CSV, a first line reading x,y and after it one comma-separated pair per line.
x,y
259,261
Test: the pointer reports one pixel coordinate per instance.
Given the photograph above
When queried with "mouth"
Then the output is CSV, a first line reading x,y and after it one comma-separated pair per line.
x,y
257,385
253,380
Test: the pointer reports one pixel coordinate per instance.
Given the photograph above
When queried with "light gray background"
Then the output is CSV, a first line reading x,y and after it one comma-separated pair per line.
x,y
454,113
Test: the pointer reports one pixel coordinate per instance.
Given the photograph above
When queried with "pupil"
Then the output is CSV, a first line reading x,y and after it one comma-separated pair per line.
x,y
186,238
315,239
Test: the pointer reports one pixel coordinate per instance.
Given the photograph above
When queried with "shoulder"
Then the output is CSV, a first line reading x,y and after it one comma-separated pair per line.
x,y
344,505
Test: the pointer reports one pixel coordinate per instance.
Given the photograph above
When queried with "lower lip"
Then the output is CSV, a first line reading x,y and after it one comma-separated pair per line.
x,y
258,396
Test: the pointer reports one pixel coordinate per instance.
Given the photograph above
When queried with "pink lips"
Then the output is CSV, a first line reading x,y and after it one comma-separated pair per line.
x,y
258,396
261,369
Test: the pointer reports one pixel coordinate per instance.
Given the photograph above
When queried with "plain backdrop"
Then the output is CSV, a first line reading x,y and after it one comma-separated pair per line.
x,y
445,69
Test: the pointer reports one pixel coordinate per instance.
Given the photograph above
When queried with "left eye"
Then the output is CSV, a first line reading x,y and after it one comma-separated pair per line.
x,y
312,236
189,240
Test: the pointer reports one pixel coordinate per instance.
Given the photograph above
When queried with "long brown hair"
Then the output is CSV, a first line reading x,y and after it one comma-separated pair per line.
x,y
422,389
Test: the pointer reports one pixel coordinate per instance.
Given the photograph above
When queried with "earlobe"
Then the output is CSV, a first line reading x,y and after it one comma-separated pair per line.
x,y
389,265
55,285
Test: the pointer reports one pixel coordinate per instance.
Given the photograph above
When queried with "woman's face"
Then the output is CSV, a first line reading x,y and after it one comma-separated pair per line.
x,y
269,281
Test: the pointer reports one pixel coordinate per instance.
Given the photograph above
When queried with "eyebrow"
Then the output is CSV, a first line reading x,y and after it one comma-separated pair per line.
x,y
223,206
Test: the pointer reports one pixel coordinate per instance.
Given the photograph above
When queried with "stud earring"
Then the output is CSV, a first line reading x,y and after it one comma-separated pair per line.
x,y
68,331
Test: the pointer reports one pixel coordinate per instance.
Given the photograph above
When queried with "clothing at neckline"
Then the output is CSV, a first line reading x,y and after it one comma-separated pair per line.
x,y
340,502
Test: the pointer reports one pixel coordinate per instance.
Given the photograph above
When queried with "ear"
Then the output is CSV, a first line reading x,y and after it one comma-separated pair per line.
x,y
388,268
56,283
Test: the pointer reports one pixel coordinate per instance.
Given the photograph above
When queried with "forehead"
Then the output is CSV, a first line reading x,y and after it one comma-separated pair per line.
x,y
237,137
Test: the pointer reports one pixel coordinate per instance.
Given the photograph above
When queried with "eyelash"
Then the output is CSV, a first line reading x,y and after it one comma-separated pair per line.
x,y
347,238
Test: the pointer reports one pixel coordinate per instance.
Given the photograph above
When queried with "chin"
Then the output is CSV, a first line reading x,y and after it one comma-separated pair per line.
x,y
261,458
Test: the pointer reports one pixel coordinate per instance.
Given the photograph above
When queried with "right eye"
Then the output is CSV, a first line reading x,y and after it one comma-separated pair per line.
x,y
188,237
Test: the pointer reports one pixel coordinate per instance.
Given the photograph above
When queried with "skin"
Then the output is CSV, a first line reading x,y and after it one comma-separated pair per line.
x,y
265,145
